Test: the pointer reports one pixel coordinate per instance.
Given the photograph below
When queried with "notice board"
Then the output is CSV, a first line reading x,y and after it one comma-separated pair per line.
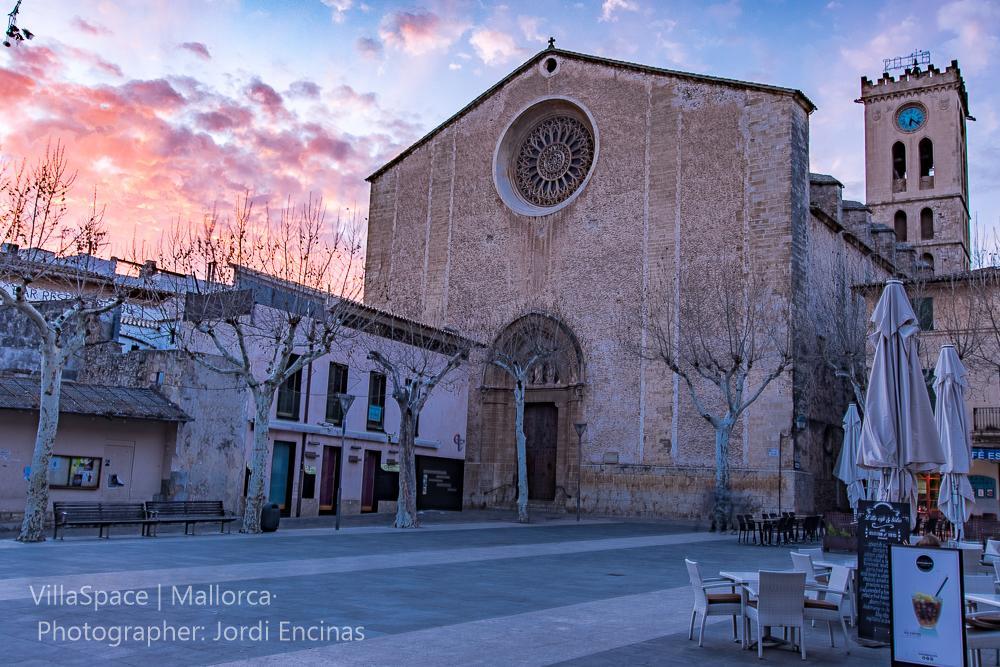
x,y
880,525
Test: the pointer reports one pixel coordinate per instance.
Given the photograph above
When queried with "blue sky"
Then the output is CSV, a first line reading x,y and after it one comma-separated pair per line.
x,y
316,94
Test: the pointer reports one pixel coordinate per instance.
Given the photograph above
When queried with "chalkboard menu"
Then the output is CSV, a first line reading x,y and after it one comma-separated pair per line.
x,y
880,524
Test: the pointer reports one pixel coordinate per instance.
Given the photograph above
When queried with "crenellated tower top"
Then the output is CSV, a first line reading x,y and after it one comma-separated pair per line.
x,y
913,79
916,171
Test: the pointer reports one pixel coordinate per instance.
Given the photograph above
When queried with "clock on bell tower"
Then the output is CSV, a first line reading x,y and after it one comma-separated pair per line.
x,y
916,170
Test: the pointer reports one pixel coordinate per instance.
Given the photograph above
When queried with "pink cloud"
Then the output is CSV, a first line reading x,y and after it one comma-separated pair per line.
x,y
419,31
166,149
89,28
369,47
198,49
304,88
266,96
156,94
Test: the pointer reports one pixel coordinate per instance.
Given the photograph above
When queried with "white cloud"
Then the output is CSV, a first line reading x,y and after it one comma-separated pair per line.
x,y
609,7
494,46
339,8
867,57
674,50
419,31
454,66
530,28
974,24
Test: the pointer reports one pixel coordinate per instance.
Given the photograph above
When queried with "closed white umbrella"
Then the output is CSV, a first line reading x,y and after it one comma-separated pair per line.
x,y
955,499
898,436
847,469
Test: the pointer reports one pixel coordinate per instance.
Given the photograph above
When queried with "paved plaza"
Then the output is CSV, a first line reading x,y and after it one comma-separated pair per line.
x,y
484,592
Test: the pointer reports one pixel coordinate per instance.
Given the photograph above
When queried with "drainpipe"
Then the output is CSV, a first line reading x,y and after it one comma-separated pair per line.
x,y
302,452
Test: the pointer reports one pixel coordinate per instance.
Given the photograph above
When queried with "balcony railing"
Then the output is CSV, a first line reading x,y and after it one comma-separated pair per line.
x,y
986,419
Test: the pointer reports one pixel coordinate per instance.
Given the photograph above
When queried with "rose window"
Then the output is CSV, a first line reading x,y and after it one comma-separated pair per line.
x,y
553,160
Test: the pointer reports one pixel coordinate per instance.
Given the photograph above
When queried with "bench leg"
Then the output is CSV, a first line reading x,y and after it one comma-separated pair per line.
x,y
222,527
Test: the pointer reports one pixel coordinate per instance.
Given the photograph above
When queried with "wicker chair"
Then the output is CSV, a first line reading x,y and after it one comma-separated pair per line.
x,y
711,604
835,604
780,602
821,573
992,554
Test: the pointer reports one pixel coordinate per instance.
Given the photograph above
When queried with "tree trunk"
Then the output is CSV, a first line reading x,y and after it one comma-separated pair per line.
x,y
522,452
52,363
406,504
258,462
723,500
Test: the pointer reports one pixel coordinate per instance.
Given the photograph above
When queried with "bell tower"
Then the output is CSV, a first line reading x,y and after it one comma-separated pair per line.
x,y
916,170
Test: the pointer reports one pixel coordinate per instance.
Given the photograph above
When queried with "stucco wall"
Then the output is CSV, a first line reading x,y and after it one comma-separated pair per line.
x,y
84,436
207,462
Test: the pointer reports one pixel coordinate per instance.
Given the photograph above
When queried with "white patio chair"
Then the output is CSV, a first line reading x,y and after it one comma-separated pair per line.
x,y
802,562
972,557
992,554
711,604
977,639
996,576
780,602
816,554
835,605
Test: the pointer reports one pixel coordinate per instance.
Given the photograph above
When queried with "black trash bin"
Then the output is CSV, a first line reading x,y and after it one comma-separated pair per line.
x,y
270,516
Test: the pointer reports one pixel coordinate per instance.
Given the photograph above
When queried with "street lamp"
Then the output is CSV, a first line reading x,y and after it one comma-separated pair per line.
x,y
581,428
345,405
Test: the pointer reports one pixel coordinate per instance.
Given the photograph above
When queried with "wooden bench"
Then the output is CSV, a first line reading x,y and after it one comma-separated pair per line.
x,y
188,512
101,515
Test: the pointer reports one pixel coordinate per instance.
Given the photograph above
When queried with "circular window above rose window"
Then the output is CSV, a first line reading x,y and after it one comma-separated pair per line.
x,y
545,157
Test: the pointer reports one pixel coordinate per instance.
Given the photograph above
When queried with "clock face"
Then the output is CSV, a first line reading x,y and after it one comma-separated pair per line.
x,y
911,118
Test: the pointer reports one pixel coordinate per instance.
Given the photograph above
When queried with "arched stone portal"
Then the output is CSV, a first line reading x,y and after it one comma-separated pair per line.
x,y
553,403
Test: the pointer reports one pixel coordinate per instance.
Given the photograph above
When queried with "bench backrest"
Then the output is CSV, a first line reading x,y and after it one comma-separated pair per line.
x,y
164,508
87,511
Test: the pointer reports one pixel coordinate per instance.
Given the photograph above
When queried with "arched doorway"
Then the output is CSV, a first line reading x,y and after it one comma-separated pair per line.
x,y
554,395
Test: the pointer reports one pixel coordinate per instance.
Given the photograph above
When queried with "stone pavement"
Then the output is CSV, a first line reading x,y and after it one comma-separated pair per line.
x,y
485,592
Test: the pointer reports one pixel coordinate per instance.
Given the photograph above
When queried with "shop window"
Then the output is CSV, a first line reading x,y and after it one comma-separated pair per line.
x,y
376,402
290,394
336,383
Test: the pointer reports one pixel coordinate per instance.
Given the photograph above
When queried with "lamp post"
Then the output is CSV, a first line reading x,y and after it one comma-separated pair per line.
x,y
345,405
581,428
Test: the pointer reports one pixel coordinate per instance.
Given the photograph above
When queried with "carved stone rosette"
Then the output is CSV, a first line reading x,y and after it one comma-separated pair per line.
x,y
553,160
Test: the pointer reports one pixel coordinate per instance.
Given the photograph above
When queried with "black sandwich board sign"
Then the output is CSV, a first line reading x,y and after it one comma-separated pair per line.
x,y
880,524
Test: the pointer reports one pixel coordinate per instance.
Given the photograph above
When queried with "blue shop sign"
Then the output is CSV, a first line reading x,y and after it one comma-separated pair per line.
x,y
986,454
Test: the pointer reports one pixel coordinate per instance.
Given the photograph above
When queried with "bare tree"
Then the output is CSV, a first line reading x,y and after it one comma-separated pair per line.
x,y
270,293
44,250
530,345
417,360
843,320
725,332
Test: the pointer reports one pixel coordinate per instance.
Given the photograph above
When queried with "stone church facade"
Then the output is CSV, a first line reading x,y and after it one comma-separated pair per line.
x,y
585,184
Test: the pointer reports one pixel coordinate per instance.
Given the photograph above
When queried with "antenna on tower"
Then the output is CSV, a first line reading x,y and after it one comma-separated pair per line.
x,y
915,59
